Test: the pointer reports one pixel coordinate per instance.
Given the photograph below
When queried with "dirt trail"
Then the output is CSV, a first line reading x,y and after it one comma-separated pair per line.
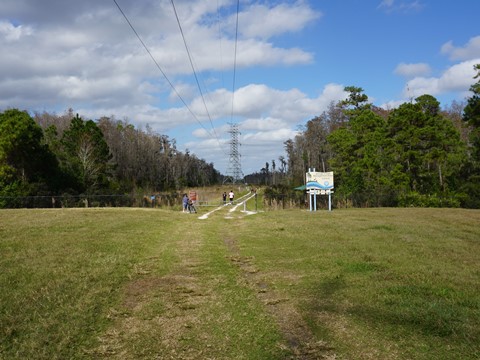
x,y
158,311
298,337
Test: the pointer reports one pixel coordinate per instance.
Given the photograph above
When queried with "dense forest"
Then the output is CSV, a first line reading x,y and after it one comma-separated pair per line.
x,y
49,155
414,155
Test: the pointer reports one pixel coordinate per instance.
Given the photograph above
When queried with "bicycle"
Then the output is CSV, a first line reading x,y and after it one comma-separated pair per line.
x,y
191,208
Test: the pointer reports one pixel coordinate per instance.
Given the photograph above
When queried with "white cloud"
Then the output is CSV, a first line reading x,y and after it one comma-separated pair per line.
x,y
469,51
83,55
258,100
393,104
251,52
13,33
201,134
386,4
87,53
412,70
271,118
458,77
274,135
260,21
186,91
390,6
263,124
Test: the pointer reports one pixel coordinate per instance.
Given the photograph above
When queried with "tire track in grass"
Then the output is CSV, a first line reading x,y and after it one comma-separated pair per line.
x,y
181,314
158,312
299,340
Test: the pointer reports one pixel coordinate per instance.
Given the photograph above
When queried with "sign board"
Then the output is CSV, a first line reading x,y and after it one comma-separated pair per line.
x,y
319,180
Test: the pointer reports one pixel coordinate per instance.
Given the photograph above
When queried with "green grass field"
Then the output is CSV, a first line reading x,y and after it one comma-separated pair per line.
x,y
155,284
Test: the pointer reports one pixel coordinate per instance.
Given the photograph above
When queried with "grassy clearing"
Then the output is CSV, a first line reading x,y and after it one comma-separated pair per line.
x,y
377,283
153,284
61,272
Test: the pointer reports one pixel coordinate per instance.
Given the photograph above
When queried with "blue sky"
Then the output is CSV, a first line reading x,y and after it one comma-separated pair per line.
x,y
293,58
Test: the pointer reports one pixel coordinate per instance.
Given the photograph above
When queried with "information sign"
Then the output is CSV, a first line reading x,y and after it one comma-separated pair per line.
x,y
319,183
319,180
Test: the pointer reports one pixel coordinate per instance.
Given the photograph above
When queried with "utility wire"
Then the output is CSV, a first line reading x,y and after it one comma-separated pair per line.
x,y
193,69
235,59
220,39
158,66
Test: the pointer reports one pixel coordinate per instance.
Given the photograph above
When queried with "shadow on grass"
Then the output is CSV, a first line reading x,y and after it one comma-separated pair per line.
x,y
415,310
431,311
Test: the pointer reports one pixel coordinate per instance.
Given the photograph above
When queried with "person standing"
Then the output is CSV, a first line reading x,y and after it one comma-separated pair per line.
x,y
185,202
224,197
231,195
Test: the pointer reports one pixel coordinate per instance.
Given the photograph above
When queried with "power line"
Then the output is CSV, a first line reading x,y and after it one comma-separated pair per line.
x,y
235,58
158,66
235,168
193,69
236,156
220,39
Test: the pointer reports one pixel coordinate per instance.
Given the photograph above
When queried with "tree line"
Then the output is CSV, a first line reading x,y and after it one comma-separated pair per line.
x,y
49,154
413,155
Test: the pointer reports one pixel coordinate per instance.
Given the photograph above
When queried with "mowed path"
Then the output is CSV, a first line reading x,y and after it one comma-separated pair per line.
x,y
238,205
210,303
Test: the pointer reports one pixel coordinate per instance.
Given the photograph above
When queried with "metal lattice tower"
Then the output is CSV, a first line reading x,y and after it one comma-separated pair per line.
x,y
234,172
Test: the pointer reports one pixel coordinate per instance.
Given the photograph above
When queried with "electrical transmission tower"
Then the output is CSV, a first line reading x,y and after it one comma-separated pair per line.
x,y
234,172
